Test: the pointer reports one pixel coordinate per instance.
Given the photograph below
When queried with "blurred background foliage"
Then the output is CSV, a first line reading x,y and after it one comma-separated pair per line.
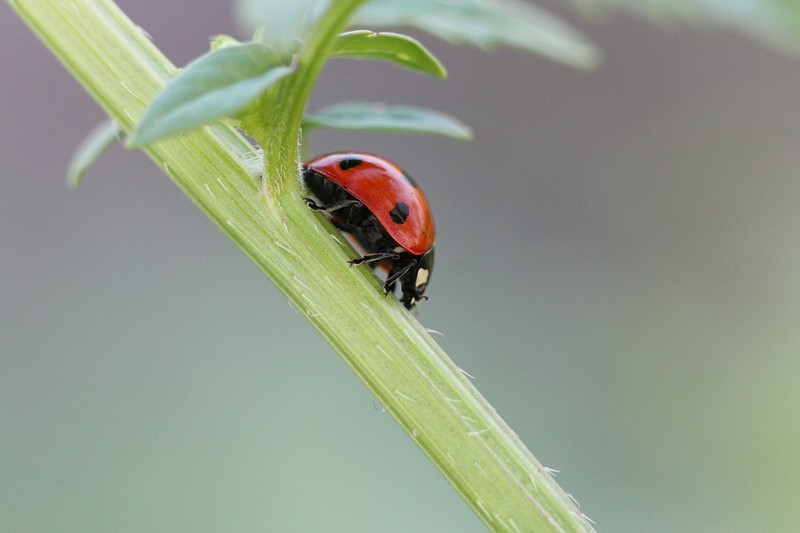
x,y
617,265
775,22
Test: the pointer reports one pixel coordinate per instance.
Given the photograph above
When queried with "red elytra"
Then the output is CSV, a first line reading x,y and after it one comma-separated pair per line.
x,y
381,186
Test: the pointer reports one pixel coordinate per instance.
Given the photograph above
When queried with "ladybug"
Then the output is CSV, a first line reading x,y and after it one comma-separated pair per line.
x,y
382,207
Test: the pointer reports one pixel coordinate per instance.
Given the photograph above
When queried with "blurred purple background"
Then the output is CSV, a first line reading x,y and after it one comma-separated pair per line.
x,y
617,265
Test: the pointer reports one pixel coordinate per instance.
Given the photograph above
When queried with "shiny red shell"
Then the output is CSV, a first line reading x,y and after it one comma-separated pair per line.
x,y
381,185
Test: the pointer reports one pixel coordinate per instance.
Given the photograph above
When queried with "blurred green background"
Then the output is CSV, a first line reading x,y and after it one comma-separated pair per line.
x,y
617,265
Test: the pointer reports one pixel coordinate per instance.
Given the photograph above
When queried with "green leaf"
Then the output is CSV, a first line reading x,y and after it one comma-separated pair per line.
x,y
394,47
95,144
486,24
222,41
392,118
220,83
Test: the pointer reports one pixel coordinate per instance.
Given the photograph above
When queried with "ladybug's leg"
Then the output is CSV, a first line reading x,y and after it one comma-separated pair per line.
x,y
394,275
327,209
371,258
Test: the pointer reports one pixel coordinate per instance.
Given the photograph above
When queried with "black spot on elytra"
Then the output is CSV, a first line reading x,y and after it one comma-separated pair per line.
x,y
351,162
399,213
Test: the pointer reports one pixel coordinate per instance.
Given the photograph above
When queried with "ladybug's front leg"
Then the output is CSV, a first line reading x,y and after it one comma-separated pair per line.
x,y
371,258
328,209
398,274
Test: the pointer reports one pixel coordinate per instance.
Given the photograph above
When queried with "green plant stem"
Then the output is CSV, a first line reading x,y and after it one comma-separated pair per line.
x,y
279,133
387,348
